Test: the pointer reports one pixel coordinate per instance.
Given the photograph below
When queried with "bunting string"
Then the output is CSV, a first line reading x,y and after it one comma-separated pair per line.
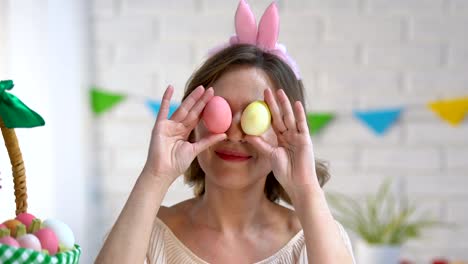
x,y
378,119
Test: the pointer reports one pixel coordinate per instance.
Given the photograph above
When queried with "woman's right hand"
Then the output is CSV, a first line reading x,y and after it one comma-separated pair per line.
x,y
170,154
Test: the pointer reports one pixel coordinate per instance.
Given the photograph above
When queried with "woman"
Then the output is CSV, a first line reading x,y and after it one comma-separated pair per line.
x,y
237,178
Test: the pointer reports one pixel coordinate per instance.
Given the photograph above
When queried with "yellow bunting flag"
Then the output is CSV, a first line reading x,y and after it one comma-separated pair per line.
x,y
453,111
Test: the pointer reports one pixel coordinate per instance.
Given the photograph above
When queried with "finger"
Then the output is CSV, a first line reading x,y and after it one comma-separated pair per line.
x,y
193,115
166,100
277,120
260,144
187,104
288,115
207,142
301,119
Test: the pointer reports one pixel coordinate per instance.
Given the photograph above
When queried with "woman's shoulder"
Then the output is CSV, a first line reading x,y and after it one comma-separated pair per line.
x,y
288,216
175,215
164,236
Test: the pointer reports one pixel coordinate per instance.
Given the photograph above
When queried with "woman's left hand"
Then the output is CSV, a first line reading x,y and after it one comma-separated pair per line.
x,y
293,164
293,161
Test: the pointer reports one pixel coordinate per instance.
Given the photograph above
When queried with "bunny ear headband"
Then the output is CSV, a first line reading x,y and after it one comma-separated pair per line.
x,y
265,37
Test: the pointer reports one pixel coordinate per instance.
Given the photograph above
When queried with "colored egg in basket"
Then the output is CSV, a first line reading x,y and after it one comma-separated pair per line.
x,y
26,239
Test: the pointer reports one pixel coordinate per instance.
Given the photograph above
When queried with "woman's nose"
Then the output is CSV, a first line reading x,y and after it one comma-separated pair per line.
x,y
235,133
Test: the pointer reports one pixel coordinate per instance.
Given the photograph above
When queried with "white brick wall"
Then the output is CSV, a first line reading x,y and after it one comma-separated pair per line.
x,y
322,7
407,7
3,48
458,55
352,54
364,28
149,7
404,56
458,6
410,159
437,80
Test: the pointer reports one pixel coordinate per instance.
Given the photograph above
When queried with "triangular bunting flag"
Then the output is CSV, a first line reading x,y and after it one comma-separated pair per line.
x,y
317,121
102,101
453,111
379,120
155,105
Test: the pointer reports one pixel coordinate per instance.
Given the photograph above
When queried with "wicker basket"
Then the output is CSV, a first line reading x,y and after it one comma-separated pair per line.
x,y
15,255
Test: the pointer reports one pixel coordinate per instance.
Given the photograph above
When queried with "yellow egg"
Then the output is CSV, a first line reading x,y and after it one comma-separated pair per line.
x,y
256,118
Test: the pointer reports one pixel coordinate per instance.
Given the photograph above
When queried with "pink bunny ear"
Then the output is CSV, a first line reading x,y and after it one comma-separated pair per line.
x,y
246,27
268,28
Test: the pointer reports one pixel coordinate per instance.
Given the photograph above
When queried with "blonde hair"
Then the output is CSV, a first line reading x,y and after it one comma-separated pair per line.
x,y
280,74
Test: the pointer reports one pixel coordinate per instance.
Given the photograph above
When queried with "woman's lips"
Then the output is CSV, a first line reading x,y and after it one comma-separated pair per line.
x,y
232,156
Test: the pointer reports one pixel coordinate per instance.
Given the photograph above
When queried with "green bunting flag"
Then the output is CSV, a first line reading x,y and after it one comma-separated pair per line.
x,y
317,121
102,101
14,113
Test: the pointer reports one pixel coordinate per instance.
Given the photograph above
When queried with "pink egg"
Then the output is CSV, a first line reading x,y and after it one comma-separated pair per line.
x,y
217,115
48,240
30,241
26,219
8,240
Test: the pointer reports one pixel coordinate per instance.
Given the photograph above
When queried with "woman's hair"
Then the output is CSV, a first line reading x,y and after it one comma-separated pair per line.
x,y
280,74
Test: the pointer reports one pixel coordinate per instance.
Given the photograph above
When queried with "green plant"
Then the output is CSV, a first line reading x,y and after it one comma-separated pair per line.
x,y
382,218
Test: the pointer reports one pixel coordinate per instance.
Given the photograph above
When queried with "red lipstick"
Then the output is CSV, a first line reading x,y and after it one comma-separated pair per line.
x,y
234,156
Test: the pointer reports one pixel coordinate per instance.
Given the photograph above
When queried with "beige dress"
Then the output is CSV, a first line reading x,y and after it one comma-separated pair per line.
x,y
166,248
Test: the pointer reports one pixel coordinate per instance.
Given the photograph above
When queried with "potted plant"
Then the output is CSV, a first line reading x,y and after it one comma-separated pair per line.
x,y
383,221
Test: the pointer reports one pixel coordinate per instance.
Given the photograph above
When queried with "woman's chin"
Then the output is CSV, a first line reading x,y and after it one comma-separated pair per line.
x,y
232,180
227,178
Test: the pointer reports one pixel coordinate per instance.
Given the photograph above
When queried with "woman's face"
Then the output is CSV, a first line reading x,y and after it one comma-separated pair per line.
x,y
234,163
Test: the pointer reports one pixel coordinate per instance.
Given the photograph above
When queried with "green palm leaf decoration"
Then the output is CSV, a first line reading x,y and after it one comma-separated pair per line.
x,y
14,113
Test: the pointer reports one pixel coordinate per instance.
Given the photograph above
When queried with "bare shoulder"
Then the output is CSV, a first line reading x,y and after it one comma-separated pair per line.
x,y
289,217
176,214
